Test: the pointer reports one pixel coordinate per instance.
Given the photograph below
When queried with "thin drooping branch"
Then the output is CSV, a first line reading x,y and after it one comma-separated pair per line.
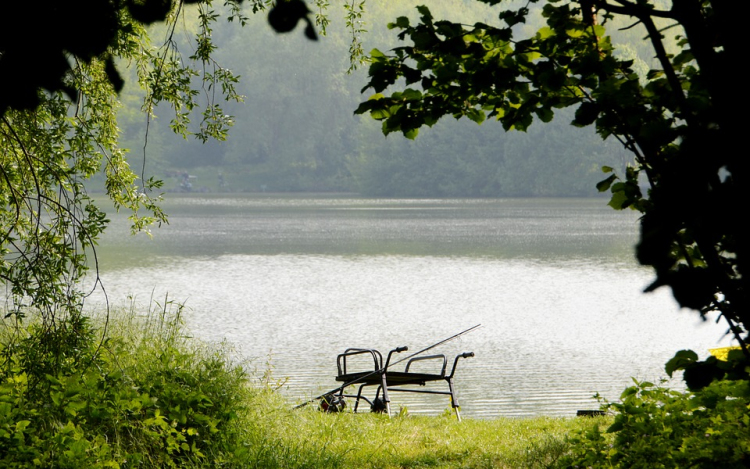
x,y
637,10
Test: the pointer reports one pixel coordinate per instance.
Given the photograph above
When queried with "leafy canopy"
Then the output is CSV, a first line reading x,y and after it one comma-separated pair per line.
x,y
58,127
688,174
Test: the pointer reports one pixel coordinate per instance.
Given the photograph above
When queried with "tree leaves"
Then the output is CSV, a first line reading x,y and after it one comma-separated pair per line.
x,y
513,18
477,73
604,185
50,147
84,29
680,360
586,114
287,13
149,11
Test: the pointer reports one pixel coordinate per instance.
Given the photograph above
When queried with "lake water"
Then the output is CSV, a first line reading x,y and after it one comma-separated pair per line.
x,y
296,280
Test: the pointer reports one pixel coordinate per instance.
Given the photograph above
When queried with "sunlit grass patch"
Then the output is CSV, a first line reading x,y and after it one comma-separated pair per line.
x,y
375,441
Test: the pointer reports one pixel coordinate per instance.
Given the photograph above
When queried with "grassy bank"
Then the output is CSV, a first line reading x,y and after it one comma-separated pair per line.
x,y
137,391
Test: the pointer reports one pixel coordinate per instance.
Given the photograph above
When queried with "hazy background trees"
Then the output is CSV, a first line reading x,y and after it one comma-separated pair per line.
x,y
296,130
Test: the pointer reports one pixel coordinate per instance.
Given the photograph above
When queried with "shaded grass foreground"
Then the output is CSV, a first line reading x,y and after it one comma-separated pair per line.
x,y
144,394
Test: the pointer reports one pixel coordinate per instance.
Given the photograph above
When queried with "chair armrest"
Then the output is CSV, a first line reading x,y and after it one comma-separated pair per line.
x,y
429,357
396,350
455,363
377,358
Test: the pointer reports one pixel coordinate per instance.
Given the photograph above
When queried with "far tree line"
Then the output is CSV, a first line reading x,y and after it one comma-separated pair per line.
x,y
295,130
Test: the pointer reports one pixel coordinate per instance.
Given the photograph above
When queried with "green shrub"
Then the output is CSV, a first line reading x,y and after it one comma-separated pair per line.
x,y
655,427
141,395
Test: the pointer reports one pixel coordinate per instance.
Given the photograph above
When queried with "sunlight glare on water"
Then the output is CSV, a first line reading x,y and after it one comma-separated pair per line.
x,y
299,280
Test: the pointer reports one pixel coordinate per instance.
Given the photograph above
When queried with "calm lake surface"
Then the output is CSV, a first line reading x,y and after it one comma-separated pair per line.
x,y
296,280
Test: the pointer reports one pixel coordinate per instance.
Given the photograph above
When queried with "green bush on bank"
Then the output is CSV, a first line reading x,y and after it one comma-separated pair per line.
x,y
141,396
655,427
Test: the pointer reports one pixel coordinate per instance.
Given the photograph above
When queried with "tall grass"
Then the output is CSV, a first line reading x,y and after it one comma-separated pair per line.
x,y
141,392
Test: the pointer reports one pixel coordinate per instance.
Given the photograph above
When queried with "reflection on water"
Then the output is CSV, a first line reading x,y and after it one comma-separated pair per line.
x,y
301,279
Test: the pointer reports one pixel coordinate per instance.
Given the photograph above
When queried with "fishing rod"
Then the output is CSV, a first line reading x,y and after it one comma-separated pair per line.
x,y
382,370
434,345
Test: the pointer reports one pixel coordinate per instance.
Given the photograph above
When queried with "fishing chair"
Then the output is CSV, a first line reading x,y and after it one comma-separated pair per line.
x,y
388,381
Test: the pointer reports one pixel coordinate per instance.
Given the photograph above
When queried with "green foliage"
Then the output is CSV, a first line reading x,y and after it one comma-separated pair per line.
x,y
699,374
84,32
657,427
47,219
50,147
144,396
676,120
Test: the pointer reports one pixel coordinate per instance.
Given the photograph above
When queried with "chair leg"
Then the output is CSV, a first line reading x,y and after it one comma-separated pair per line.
x,y
454,399
381,405
386,398
359,396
